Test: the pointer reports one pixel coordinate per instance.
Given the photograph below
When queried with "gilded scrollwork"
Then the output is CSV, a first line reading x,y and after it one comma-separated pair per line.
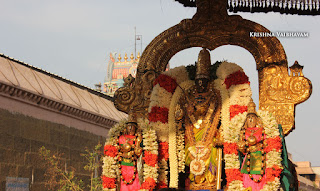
x,y
279,93
211,27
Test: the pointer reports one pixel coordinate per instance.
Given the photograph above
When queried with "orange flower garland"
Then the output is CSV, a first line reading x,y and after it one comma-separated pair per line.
x,y
109,183
150,159
110,150
148,184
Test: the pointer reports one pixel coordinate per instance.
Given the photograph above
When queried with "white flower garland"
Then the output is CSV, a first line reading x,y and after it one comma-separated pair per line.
x,y
150,144
173,162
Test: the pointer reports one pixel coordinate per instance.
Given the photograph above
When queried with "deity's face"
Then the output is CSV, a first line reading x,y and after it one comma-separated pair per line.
x,y
131,129
252,120
202,85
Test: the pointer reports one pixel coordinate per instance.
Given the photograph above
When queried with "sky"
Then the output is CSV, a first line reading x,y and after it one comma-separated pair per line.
x,y
74,38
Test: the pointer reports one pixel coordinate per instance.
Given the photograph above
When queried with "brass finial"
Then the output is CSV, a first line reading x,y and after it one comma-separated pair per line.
x,y
131,57
203,64
119,57
251,107
125,57
138,55
296,69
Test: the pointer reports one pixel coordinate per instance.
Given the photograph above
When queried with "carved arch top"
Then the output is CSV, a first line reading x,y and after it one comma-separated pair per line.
x,y
211,33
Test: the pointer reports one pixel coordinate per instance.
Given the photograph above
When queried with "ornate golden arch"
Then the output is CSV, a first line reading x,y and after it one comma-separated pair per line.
x,y
211,27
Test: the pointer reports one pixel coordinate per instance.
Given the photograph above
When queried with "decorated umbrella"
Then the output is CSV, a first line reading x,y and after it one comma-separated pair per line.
x,y
299,7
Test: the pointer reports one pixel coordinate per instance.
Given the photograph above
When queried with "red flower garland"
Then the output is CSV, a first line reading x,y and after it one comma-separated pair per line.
x,y
148,184
236,78
161,185
230,148
233,174
158,114
108,182
166,82
273,172
150,159
236,109
273,143
110,151
163,151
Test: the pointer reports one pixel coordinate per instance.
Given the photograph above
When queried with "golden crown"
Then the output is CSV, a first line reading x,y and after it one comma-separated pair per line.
x,y
251,107
203,64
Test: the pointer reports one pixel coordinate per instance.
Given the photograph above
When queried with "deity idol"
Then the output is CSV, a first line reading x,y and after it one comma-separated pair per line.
x,y
251,144
129,152
198,111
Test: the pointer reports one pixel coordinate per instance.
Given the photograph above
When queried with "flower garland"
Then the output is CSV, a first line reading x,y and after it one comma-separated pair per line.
x,y
150,156
177,163
110,169
235,93
273,152
158,112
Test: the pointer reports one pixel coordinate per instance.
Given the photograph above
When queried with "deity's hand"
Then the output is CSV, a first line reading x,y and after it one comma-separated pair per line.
x,y
138,151
242,146
219,140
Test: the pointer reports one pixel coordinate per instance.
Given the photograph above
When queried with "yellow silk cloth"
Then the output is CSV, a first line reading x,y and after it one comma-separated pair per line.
x,y
207,176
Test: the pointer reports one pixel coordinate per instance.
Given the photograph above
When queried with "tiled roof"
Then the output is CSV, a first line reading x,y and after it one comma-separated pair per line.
x,y
30,83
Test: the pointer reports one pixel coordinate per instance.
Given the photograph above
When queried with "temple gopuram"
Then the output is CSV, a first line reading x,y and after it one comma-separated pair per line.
x,y
118,70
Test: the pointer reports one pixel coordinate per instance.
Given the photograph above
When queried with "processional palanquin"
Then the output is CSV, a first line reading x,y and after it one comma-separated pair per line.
x,y
211,27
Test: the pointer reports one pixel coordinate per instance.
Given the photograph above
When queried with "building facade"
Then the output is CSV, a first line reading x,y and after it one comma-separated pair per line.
x,y
38,108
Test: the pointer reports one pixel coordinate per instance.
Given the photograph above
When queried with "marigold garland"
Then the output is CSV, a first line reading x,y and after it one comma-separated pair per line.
x,y
236,109
110,150
108,182
150,159
148,184
230,148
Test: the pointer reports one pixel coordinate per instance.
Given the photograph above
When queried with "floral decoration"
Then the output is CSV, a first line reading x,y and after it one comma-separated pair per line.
x,y
148,184
236,78
232,79
108,183
110,150
163,150
150,159
164,87
150,155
